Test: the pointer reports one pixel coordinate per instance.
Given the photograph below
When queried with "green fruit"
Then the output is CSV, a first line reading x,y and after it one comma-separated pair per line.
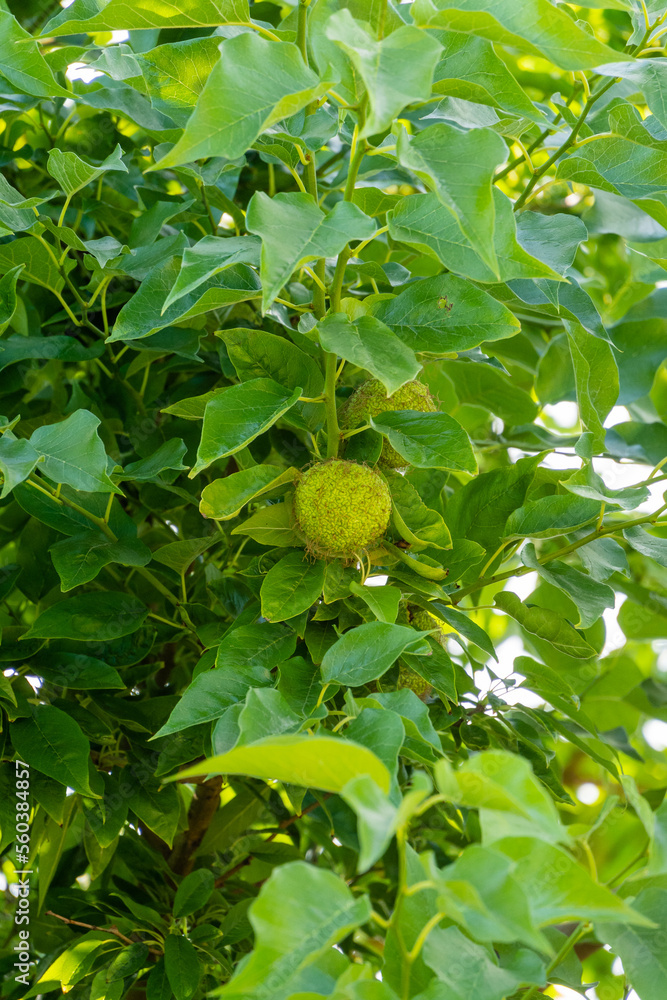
x,y
423,621
408,678
426,622
341,508
370,399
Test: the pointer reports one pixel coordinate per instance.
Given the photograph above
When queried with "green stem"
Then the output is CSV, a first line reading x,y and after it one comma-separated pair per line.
x,y
566,550
153,580
566,948
301,29
413,954
383,18
59,498
333,432
577,126
522,199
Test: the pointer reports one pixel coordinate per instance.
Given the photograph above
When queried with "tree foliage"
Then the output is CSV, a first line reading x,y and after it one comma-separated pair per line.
x,y
429,771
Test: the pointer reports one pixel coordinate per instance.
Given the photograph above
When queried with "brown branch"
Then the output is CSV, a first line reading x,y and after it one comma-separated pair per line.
x,y
232,871
281,826
93,927
203,808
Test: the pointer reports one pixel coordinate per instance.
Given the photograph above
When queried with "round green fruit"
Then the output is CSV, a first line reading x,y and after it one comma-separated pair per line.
x,y
341,508
370,398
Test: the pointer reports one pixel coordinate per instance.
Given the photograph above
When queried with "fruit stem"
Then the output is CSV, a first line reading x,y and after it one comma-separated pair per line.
x,y
333,433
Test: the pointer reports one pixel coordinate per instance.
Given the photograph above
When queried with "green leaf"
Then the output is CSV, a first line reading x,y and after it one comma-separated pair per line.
x,y
193,893
586,483
80,558
179,555
548,683
8,301
445,314
182,966
112,15
22,62
376,818
464,625
416,522
569,892
553,239
480,509
258,645
632,165
73,453
479,892
590,597
256,354
239,415
142,315
596,378
649,545
18,458
470,70
175,73
534,27
301,911
39,266
552,515
52,742
168,456
74,962
383,601
459,166
255,83
324,762
92,617
17,348
294,230
545,624
155,806
273,525
225,498
127,963
72,173
437,669
77,671
649,76
371,345
641,949
474,382
157,984
291,586
510,799
209,257
266,711
427,440
396,70
365,653
422,221
465,968
210,694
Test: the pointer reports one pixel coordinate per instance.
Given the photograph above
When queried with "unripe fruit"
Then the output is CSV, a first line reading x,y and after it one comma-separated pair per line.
x,y
370,398
426,622
341,508
408,678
